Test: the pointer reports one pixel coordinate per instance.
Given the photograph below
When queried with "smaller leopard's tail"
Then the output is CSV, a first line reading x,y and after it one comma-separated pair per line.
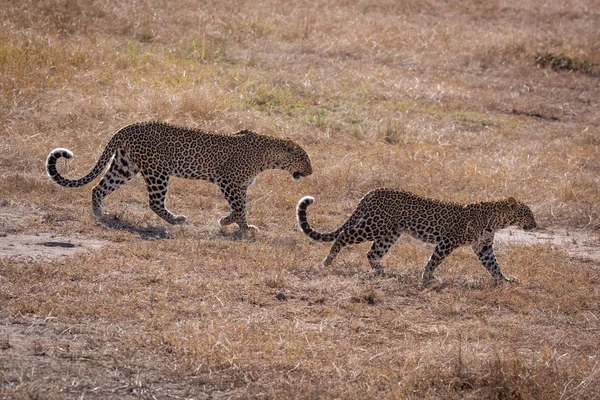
x,y
305,226
104,159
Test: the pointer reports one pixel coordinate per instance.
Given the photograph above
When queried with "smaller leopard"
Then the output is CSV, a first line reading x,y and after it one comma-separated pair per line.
x,y
159,151
383,214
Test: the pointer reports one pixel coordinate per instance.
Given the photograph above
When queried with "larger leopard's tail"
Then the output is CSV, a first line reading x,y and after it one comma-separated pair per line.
x,y
305,226
104,159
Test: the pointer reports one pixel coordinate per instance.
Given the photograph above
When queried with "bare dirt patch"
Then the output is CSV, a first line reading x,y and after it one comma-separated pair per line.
x,y
19,241
578,243
43,246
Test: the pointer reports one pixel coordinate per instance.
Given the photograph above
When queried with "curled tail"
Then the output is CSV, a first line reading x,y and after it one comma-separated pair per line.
x,y
305,226
55,154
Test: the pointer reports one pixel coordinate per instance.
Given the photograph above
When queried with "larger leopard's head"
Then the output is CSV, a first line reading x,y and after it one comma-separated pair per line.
x,y
292,158
521,215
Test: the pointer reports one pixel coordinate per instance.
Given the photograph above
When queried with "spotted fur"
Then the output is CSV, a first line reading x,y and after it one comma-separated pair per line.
x,y
384,214
159,151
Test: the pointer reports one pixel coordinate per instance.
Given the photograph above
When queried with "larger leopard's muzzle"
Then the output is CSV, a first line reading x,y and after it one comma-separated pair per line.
x,y
301,174
529,227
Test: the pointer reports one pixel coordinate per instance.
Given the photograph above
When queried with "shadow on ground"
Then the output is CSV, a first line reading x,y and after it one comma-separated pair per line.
x,y
145,232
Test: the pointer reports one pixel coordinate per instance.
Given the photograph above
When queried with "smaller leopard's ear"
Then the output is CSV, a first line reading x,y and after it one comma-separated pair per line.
x,y
513,203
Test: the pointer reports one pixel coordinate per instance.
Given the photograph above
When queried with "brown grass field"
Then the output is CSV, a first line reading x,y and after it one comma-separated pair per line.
x,y
460,101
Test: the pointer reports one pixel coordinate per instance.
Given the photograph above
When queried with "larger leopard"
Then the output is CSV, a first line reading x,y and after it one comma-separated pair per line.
x,y
384,214
159,151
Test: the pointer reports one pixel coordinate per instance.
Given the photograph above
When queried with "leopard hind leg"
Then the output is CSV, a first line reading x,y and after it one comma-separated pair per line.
x,y
121,170
379,249
347,237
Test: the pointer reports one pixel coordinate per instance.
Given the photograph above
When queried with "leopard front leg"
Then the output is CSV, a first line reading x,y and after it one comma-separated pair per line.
x,y
441,251
235,195
157,184
485,253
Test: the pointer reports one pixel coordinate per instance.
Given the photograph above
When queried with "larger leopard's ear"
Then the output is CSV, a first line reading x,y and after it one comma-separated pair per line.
x,y
289,145
512,203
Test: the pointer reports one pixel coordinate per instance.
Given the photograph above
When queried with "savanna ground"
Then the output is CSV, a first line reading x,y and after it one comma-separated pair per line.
x,y
462,101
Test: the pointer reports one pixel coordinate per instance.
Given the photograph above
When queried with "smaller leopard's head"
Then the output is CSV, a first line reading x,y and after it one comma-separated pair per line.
x,y
521,215
294,159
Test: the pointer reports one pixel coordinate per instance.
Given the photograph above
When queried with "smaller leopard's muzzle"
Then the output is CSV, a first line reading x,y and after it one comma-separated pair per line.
x,y
529,225
525,219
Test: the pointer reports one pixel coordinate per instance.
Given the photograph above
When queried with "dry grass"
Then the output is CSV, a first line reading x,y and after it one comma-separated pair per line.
x,y
445,99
